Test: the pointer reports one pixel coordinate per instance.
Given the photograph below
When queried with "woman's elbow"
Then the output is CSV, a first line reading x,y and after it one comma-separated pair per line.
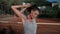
x,y
12,7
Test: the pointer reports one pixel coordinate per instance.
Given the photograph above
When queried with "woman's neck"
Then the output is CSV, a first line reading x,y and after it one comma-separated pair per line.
x,y
29,17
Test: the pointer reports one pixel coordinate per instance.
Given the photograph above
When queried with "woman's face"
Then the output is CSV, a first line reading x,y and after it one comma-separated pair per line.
x,y
34,14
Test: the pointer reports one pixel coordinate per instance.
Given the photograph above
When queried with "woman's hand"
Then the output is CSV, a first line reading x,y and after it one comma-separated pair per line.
x,y
27,5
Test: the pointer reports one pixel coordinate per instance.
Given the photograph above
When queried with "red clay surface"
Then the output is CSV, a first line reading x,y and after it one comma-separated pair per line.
x,y
43,20
41,29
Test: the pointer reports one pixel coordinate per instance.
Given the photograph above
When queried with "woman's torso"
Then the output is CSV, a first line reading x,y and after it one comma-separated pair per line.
x,y
30,27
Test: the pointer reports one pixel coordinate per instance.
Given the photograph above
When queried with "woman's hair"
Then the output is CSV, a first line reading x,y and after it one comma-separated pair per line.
x,y
33,7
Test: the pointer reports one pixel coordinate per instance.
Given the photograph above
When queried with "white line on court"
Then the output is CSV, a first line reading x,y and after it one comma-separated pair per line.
x,y
50,23
47,23
3,21
36,23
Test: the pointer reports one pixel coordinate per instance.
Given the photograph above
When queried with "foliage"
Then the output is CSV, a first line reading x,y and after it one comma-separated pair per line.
x,y
5,6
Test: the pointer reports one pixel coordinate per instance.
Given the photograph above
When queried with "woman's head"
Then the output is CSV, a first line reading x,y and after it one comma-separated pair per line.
x,y
33,11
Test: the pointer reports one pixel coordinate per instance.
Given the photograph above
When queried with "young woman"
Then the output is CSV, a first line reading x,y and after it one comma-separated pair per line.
x,y
28,21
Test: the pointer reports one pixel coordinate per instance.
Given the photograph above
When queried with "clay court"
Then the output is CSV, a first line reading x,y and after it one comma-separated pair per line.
x,y
14,26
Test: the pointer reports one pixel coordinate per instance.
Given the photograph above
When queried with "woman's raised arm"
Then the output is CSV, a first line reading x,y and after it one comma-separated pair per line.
x,y
19,13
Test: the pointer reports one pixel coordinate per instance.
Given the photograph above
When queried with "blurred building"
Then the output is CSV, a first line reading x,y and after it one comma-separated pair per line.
x,y
56,3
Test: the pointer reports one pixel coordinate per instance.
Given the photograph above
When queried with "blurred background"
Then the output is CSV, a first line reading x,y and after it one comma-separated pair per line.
x,y
48,21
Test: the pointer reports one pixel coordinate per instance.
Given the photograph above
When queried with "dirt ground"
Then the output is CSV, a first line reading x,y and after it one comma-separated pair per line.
x,y
12,27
